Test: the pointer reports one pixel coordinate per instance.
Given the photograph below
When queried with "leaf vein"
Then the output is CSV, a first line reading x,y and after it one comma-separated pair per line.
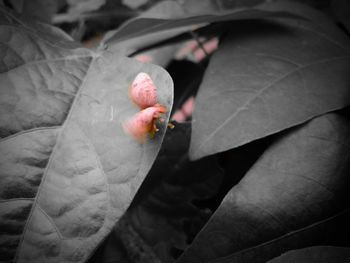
x,y
52,222
51,158
261,91
23,27
325,37
342,213
16,199
45,61
28,131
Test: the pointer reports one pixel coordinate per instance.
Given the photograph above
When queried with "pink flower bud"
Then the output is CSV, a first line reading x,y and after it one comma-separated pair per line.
x,y
179,116
143,122
209,48
143,92
143,58
188,107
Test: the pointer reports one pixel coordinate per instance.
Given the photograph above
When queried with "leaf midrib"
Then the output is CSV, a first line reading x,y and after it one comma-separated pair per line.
x,y
35,62
261,91
28,30
35,202
342,213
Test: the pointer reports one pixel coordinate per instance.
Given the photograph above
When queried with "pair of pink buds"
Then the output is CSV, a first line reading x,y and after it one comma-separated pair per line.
x,y
143,93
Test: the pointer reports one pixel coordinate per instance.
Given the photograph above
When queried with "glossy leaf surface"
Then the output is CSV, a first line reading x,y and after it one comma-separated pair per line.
x,y
168,19
68,170
295,195
269,76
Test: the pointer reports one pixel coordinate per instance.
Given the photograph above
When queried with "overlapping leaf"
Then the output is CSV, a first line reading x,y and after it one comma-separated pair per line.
x,y
168,19
295,195
134,4
81,6
163,216
269,76
320,254
68,171
43,10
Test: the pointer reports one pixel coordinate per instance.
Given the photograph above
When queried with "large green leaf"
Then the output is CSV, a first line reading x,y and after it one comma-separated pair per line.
x,y
269,76
67,169
168,19
295,195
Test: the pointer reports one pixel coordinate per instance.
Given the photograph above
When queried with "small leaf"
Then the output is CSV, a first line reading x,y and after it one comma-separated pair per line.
x,y
321,254
294,196
67,169
269,76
